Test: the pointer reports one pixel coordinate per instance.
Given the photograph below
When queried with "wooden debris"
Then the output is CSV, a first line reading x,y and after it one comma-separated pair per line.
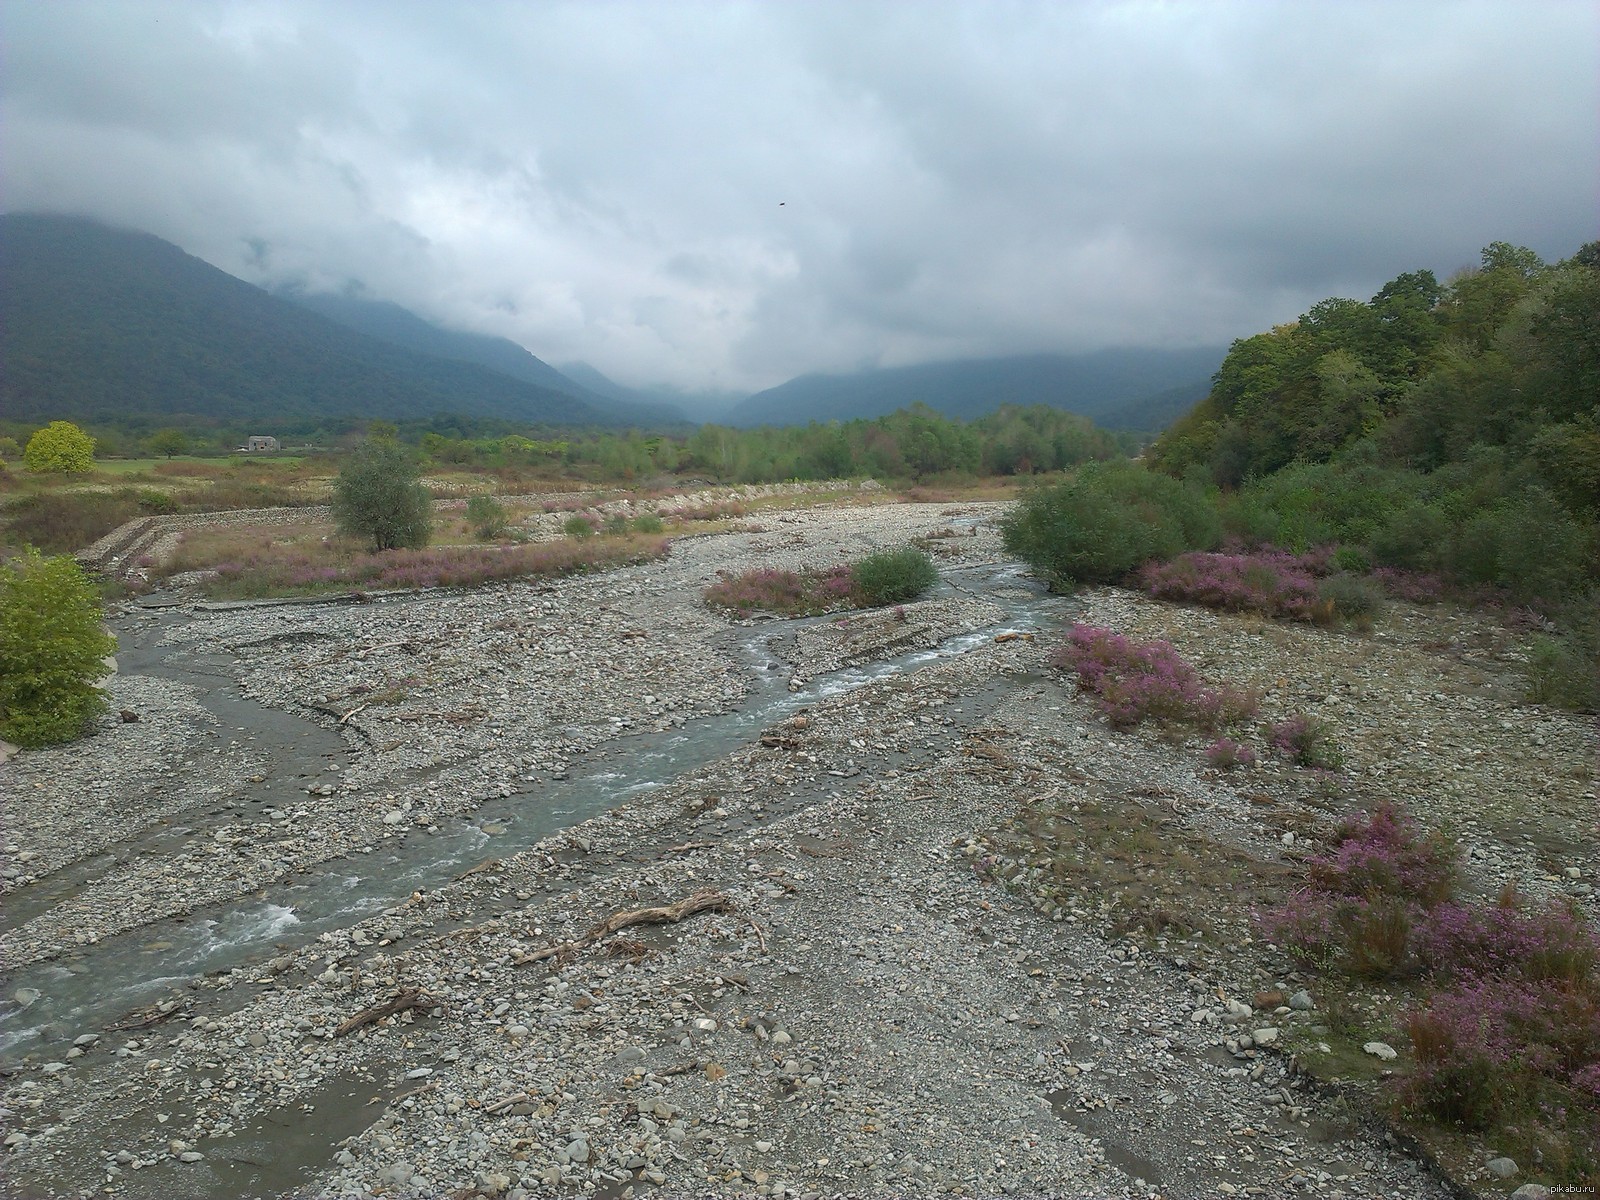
x,y
488,864
687,846
666,914
761,938
405,998
153,1014
508,1102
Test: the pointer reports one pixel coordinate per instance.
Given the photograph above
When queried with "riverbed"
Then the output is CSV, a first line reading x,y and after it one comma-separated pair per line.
x,y
322,808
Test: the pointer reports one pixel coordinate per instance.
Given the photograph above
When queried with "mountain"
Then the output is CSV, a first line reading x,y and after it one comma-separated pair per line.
x,y
99,323
401,327
698,406
1120,389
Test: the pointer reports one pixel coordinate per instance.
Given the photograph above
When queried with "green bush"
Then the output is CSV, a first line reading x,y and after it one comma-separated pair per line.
x,y
1107,520
487,516
1355,598
893,576
51,651
578,525
1529,545
1564,667
59,447
57,522
1412,538
378,497
648,523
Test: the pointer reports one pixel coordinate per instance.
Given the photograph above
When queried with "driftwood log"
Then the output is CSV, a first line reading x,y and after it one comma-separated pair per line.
x,y
665,914
154,1014
405,998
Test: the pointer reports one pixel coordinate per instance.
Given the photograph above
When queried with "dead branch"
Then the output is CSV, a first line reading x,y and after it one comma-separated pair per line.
x,y
687,846
353,712
666,914
488,864
154,1014
406,998
761,938
500,1106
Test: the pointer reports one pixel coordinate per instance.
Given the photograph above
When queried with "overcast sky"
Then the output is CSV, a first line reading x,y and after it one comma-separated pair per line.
x,y
723,196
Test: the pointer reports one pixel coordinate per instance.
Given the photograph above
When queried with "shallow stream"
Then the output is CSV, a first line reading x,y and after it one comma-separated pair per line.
x,y
56,1001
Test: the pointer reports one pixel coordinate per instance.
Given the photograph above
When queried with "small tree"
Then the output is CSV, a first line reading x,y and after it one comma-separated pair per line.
x,y
52,649
59,447
487,516
378,496
168,442
9,449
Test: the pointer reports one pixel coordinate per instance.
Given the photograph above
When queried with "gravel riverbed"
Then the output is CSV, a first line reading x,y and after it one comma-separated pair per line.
x,y
862,1005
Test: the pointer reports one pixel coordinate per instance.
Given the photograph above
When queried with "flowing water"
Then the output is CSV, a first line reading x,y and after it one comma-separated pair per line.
x,y
56,1001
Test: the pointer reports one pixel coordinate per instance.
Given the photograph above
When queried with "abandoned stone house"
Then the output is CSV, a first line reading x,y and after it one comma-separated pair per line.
x,y
254,444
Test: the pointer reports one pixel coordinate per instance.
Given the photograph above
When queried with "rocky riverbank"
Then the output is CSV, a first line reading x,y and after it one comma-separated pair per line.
x,y
864,994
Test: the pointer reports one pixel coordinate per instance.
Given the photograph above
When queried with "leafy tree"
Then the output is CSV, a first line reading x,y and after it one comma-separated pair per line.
x,y
52,649
9,448
487,516
59,447
168,441
378,496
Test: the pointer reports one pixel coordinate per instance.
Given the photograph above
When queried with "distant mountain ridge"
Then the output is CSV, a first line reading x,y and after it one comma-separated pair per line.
x,y
1119,389
99,323
400,327
697,406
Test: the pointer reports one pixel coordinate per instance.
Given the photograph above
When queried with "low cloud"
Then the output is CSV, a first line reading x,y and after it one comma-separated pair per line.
x,y
725,195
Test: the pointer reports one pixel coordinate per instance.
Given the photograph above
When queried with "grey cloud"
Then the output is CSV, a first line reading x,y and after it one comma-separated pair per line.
x,y
725,194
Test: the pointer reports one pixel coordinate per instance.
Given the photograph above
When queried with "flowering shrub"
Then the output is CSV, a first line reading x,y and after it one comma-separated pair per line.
x,y
803,593
1466,1042
1307,742
1385,854
1553,943
1417,587
1227,754
274,571
1508,1036
1271,582
1132,681
1275,583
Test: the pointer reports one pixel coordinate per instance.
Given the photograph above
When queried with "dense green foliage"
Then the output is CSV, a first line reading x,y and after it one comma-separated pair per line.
x,y
915,443
1448,432
1106,520
51,651
1506,355
59,448
892,576
379,497
168,442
